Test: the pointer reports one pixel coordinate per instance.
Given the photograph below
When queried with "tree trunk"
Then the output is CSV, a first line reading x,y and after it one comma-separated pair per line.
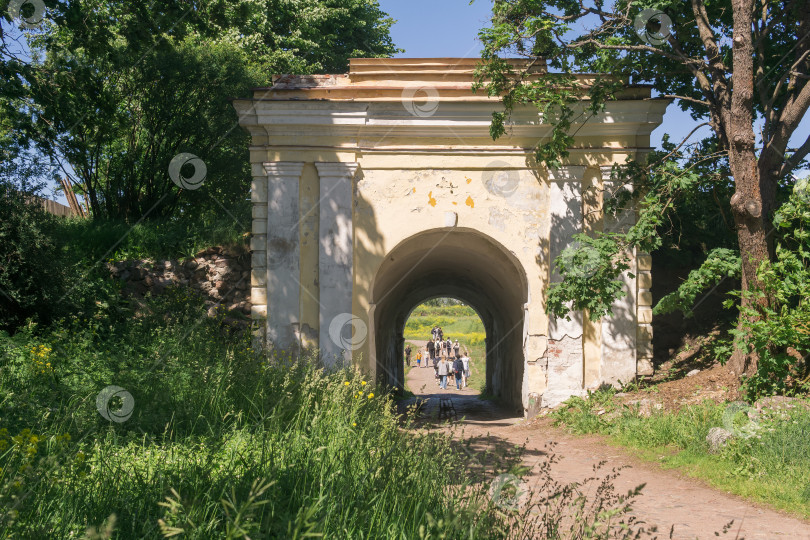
x,y
747,201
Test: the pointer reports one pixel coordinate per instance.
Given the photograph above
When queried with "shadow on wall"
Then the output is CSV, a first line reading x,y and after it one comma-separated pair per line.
x,y
368,246
461,263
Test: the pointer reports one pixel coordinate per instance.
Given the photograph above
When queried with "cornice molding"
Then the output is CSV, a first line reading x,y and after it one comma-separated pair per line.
x,y
336,169
567,173
283,168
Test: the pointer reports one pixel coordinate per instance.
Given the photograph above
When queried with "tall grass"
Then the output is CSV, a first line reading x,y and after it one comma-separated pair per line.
x,y
92,240
224,442
221,443
770,464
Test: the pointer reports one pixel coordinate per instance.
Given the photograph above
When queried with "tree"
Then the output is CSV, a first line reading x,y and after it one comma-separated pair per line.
x,y
31,281
117,89
729,63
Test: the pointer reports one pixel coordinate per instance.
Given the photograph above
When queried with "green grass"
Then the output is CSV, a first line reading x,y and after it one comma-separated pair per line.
x,y
221,443
458,322
770,467
93,240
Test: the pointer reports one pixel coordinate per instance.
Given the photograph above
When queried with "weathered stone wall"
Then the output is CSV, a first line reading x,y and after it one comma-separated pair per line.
x,y
221,276
365,204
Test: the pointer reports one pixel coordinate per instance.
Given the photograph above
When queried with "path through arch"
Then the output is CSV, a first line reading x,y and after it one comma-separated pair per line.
x,y
459,263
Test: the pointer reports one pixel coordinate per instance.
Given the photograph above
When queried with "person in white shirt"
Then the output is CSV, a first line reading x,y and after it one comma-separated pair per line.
x,y
466,373
444,370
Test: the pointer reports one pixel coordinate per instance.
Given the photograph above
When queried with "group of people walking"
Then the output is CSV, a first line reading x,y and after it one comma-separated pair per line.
x,y
445,357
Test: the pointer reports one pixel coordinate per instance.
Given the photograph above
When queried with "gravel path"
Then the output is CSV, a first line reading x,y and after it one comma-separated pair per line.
x,y
668,499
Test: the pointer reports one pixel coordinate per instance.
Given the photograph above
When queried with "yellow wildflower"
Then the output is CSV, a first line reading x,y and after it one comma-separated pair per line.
x,y
371,395
346,383
363,383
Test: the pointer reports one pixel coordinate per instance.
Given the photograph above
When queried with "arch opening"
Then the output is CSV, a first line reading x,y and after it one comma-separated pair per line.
x,y
458,322
463,264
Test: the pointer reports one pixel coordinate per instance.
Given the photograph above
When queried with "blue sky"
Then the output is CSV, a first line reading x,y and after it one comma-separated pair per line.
x,y
428,29
449,28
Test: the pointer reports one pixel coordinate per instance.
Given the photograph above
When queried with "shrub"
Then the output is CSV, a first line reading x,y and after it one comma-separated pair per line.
x,y
780,333
31,278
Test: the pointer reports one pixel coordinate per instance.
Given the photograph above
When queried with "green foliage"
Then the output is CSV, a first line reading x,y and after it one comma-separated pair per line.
x,y
224,442
770,466
681,194
52,267
780,332
30,283
97,240
591,268
220,440
719,264
119,89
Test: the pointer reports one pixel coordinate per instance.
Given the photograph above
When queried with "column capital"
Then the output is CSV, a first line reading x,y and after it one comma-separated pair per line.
x,y
606,171
283,168
609,183
567,173
337,169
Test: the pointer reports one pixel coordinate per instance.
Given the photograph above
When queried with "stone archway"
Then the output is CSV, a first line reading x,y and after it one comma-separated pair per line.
x,y
461,263
364,205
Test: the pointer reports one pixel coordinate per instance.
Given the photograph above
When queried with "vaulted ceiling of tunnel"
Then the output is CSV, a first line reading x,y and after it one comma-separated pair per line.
x,y
459,263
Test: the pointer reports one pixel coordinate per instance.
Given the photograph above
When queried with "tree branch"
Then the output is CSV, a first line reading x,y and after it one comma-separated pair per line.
x,y
687,98
793,161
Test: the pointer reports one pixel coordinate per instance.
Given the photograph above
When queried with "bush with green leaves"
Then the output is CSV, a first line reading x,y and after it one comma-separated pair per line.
x,y
780,332
117,90
31,278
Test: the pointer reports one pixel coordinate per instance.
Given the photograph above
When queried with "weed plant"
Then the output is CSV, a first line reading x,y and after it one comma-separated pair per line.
x,y
767,461
223,442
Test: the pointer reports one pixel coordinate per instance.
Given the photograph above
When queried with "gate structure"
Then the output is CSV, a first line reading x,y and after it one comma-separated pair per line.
x,y
381,188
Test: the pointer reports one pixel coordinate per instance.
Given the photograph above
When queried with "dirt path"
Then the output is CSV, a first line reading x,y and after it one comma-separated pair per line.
x,y
695,510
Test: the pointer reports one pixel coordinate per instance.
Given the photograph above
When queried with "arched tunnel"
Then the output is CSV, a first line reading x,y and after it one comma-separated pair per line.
x,y
459,263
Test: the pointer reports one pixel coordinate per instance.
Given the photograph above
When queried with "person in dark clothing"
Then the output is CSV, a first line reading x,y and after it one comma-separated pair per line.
x,y
458,369
408,355
431,346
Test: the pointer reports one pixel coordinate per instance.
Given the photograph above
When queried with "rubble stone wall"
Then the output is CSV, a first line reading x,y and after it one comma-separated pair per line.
x,y
220,275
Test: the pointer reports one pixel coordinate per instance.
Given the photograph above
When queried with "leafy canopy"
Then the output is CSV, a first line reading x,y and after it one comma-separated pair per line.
x,y
117,89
